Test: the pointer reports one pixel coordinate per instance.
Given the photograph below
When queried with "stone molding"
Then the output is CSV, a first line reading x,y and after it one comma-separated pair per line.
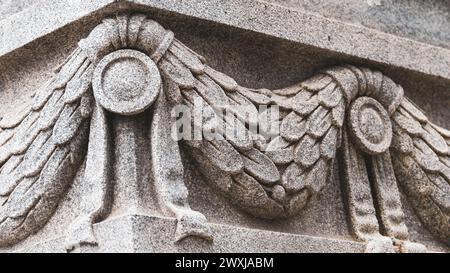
x,y
381,137
273,20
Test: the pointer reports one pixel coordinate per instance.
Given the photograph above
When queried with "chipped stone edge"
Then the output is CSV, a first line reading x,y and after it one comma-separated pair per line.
x,y
253,15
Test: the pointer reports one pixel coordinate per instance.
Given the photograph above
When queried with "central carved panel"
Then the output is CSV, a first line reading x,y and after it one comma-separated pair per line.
x,y
131,65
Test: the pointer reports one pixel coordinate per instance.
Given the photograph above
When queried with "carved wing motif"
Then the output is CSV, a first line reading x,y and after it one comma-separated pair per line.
x,y
309,136
267,177
277,177
234,165
422,165
41,150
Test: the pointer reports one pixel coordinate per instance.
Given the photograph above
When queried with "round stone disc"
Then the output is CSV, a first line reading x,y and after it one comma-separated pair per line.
x,y
126,82
370,125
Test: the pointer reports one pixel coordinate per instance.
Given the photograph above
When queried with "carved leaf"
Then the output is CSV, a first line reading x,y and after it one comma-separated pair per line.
x,y
420,151
293,179
210,91
243,108
221,79
338,113
409,107
236,133
254,96
43,152
172,89
319,122
280,151
223,155
305,102
260,166
79,84
174,69
307,151
14,119
317,82
293,127
330,96
67,125
328,144
247,192
191,61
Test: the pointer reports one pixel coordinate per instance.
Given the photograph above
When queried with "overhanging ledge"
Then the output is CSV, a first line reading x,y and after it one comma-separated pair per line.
x,y
293,25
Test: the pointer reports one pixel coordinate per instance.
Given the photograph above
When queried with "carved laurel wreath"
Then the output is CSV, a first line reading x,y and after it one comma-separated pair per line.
x,y
358,111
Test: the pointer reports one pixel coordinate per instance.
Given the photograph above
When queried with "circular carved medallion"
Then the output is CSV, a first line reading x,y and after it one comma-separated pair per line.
x,y
126,82
370,125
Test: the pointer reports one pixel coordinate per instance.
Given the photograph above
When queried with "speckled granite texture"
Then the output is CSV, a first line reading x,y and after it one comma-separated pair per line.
x,y
361,162
425,21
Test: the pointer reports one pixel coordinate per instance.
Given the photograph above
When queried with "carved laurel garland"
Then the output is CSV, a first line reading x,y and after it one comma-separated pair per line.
x,y
357,111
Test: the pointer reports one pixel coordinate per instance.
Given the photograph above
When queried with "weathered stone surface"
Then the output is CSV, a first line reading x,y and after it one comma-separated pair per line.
x,y
354,158
425,21
273,20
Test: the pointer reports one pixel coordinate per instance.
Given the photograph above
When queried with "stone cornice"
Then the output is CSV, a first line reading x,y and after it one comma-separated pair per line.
x,y
289,24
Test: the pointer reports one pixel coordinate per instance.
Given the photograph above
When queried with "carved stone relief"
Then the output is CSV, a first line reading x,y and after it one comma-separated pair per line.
x,y
131,65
